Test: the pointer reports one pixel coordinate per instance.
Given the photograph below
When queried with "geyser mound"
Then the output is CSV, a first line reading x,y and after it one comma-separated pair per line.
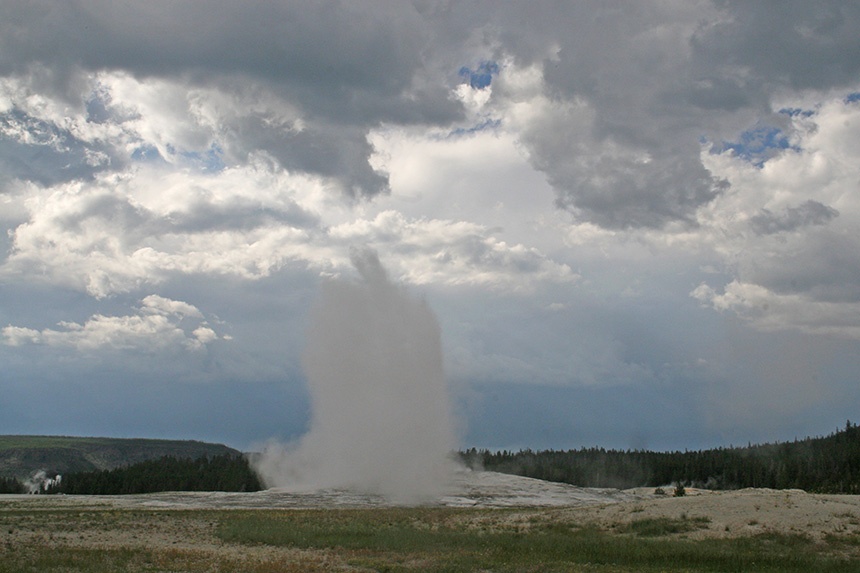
x,y
381,417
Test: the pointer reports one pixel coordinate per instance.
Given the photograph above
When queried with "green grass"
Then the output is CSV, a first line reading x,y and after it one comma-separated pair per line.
x,y
394,539
653,527
445,540
73,559
104,560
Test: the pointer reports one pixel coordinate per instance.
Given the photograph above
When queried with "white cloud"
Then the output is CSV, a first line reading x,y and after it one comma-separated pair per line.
x,y
159,305
204,334
770,311
157,325
18,336
789,231
195,179
432,251
116,234
121,232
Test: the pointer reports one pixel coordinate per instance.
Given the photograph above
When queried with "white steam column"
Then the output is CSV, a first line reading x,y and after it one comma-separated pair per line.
x,y
381,416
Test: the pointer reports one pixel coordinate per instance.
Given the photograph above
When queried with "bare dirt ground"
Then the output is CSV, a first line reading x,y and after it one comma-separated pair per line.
x,y
138,522
737,513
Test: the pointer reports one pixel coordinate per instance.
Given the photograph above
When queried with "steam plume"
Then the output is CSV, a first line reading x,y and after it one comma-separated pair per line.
x,y
381,420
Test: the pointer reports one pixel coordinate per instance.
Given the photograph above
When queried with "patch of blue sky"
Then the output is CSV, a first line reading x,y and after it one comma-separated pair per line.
x,y
757,145
482,76
487,124
796,112
146,153
762,142
209,161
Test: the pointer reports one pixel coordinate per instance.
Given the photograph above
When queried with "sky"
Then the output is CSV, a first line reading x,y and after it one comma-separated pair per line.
x,y
637,223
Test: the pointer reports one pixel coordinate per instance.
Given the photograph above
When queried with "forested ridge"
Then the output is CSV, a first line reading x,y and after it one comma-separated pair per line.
x,y
216,473
22,456
828,464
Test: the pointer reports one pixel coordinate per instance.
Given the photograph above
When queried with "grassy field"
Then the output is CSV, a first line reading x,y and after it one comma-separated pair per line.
x,y
95,539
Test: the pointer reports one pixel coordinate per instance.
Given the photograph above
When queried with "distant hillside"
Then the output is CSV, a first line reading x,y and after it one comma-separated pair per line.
x,y
21,456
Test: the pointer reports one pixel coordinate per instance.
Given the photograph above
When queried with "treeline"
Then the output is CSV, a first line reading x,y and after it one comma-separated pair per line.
x,y
215,473
824,465
11,485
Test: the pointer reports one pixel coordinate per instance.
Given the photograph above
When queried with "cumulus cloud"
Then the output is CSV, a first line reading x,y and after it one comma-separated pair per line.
x,y
153,158
602,114
158,324
771,311
194,182
118,233
430,251
115,235
155,304
788,232
631,93
619,102
365,73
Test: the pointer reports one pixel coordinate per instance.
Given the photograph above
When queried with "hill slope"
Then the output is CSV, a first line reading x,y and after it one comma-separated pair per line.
x,y
21,456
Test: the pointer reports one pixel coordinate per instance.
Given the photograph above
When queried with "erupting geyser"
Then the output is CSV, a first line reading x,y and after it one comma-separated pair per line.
x,y
381,418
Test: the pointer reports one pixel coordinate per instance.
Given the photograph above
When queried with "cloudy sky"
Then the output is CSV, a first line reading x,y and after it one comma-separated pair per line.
x,y
638,223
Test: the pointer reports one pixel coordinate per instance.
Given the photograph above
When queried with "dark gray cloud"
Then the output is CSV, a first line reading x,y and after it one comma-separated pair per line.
x,y
654,89
371,46
137,223
346,67
626,152
823,267
657,79
793,218
622,192
759,45
337,152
